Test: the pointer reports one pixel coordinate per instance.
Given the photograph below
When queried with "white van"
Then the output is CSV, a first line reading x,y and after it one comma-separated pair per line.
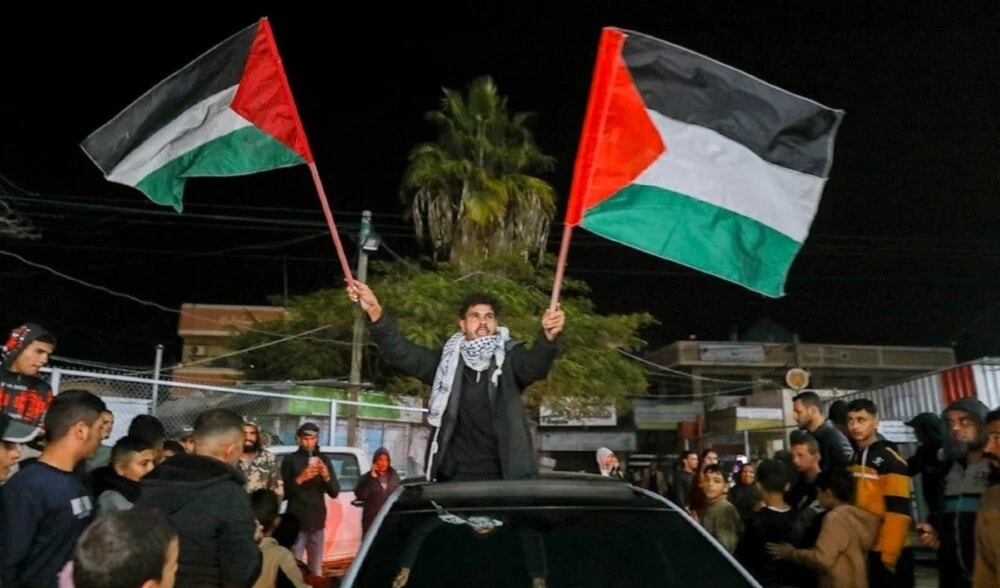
x,y
343,519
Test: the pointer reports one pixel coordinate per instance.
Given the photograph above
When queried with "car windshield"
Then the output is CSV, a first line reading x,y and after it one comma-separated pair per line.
x,y
570,546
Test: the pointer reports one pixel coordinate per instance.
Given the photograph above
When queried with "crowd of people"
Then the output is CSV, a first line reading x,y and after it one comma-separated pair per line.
x,y
199,507
835,508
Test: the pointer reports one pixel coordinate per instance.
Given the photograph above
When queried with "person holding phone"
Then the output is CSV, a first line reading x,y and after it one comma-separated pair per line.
x,y
308,475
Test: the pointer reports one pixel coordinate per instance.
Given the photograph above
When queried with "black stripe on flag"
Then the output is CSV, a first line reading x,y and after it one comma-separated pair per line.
x,y
778,126
219,68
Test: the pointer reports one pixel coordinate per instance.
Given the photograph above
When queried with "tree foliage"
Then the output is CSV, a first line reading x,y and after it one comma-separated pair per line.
x,y
590,369
471,193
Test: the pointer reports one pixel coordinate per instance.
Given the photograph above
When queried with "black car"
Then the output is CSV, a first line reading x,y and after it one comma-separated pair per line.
x,y
563,530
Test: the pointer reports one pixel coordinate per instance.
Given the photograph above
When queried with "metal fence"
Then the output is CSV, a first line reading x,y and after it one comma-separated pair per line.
x,y
397,427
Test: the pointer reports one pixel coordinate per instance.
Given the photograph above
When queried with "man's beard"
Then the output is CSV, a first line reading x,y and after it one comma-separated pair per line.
x,y
251,447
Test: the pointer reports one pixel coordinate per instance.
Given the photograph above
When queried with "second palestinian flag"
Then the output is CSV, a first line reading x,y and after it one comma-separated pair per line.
x,y
230,112
697,162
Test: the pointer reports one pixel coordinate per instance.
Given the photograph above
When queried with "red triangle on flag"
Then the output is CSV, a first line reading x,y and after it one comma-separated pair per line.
x,y
619,139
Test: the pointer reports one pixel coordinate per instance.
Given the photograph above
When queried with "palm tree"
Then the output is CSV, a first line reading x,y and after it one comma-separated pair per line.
x,y
470,193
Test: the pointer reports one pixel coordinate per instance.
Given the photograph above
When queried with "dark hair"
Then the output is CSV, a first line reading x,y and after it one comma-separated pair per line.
x,y
864,404
173,445
69,408
46,337
713,469
804,438
837,413
993,415
705,452
687,453
265,507
128,446
808,398
216,421
479,298
122,548
772,475
148,428
839,481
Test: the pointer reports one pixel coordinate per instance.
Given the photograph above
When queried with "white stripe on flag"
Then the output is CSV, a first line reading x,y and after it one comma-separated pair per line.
x,y
202,123
710,167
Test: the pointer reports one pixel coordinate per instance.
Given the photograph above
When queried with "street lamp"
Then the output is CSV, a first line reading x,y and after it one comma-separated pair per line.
x,y
368,242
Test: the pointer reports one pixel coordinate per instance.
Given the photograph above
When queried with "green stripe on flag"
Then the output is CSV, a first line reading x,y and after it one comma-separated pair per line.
x,y
699,235
242,152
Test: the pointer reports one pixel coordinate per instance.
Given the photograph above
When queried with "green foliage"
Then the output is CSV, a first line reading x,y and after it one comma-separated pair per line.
x,y
424,303
470,193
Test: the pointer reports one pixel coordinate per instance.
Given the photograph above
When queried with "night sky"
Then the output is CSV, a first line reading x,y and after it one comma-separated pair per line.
x,y
904,249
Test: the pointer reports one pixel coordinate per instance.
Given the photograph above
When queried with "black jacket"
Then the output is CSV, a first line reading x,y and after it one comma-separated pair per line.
x,y
206,503
306,501
521,367
834,448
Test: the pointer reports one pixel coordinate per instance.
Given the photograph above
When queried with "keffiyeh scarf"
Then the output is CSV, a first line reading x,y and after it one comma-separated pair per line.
x,y
476,354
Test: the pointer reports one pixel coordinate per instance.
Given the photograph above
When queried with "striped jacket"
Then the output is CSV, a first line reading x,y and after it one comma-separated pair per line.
x,y
883,489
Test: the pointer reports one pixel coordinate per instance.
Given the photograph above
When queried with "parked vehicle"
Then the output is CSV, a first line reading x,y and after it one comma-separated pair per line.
x,y
343,519
575,530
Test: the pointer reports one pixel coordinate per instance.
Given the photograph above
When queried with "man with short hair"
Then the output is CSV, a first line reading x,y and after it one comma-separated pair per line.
x,y
45,505
834,448
684,478
883,489
203,497
481,430
24,396
257,464
103,455
127,549
308,477
804,496
986,573
965,482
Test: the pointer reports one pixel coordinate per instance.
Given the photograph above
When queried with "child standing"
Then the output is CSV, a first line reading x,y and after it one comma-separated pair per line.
x,y
847,533
275,557
719,516
774,522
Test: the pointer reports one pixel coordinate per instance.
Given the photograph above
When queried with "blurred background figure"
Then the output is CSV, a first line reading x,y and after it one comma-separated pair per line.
x,y
745,495
925,463
607,463
375,487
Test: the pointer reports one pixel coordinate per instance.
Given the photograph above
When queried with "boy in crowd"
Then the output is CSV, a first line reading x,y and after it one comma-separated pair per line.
x,y
116,486
276,559
127,549
45,505
774,523
719,517
846,535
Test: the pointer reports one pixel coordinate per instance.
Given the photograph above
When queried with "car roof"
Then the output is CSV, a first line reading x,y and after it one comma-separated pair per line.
x,y
550,489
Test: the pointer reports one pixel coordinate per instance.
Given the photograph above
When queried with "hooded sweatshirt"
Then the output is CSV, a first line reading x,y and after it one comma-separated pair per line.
x,y
112,491
964,485
24,398
841,551
373,489
206,503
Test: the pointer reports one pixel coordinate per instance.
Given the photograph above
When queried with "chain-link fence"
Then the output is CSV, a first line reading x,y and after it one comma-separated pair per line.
x,y
389,423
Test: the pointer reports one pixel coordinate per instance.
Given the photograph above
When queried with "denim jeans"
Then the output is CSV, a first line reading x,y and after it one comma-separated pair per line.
x,y
312,544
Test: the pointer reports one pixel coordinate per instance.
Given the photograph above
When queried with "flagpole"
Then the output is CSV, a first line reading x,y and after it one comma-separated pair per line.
x,y
329,222
561,266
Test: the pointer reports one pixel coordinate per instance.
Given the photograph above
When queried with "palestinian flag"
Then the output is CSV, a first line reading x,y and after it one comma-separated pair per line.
x,y
697,162
228,113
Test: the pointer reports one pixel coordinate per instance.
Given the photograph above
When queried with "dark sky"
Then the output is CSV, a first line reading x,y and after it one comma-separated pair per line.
x,y
904,249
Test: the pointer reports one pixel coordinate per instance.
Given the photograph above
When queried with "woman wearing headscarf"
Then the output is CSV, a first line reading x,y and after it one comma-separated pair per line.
x,y
607,463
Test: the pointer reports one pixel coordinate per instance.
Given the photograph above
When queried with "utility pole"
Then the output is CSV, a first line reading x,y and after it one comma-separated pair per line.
x,y
368,242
